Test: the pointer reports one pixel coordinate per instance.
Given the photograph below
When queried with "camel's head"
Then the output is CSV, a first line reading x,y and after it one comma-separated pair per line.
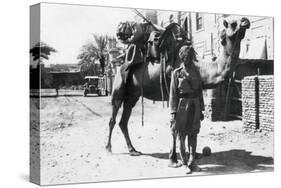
x,y
124,31
232,34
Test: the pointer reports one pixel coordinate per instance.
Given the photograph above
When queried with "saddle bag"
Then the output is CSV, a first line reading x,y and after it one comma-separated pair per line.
x,y
153,52
133,55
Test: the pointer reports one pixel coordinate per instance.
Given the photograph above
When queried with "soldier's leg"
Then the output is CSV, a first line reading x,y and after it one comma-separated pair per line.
x,y
193,145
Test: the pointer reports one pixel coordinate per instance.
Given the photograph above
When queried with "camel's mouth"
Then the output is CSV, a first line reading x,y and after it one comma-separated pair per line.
x,y
245,23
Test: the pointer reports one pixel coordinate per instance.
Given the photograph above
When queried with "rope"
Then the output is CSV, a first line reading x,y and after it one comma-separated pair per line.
x,y
142,100
142,105
165,78
161,82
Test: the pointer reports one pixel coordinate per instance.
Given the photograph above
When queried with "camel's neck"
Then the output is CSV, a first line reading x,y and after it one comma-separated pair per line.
x,y
214,73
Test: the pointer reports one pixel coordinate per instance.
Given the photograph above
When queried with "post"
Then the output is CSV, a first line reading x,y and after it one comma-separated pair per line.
x,y
179,18
212,45
257,99
190,26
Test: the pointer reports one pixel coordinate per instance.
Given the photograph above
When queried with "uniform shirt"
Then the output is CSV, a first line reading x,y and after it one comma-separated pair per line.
x,y
185,81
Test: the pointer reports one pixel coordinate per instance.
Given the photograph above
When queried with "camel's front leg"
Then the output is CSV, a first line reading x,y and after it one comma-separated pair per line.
x,y
183,150
115,107
127,109
173,161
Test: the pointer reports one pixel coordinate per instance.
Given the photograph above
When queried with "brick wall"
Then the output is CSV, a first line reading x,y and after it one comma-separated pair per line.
x,y
258,102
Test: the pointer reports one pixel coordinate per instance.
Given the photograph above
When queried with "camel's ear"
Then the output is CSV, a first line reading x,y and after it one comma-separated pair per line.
x,y
225,23
223,37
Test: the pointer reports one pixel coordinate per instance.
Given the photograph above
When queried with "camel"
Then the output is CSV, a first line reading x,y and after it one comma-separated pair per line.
x,y
144,79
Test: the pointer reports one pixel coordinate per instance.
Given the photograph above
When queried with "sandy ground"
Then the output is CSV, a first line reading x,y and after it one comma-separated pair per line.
x,y
74,132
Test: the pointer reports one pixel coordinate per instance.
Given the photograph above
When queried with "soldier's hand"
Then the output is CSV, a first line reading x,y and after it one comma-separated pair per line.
x,y
201,116
173,118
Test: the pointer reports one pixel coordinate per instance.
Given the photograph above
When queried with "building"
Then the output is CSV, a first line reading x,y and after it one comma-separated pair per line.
x,y
256,55
204,30
64,75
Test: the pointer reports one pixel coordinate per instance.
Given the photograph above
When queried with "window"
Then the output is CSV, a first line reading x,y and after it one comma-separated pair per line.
x,y
199,21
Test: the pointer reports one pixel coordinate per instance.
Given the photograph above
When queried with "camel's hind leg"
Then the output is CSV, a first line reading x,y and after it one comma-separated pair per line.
x,y
115,107
129,103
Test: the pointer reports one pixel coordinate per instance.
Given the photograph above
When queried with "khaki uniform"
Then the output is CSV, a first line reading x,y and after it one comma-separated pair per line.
x,y
186,100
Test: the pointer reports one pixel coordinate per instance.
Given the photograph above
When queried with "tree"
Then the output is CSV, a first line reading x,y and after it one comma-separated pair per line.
x,y
41,51
91,52
87,59
101,42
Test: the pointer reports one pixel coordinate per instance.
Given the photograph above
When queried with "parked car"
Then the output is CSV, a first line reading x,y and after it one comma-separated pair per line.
x,y
95,85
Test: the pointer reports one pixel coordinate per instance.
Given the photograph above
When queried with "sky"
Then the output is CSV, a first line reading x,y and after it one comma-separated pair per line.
x,y
67,27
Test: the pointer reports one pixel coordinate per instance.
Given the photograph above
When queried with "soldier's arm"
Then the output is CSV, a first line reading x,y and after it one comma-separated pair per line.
x,y
173,100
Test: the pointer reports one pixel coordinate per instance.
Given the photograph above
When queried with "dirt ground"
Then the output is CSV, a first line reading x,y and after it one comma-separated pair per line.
x,y
74,131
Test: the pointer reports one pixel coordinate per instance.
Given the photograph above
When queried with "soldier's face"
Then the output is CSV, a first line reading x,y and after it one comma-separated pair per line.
x,y
187,61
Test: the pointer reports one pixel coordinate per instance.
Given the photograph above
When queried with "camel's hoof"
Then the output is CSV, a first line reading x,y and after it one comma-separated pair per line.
x,y
173,164
108,149
135,153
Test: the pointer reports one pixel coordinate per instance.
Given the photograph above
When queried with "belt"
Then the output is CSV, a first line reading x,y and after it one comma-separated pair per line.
x,y
189,95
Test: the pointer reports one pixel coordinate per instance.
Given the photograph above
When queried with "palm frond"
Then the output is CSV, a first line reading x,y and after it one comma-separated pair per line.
x,y
101,42
42,50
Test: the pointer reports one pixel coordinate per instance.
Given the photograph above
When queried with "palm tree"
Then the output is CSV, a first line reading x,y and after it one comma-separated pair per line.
x,y
101,42
91,52
87,59
41,51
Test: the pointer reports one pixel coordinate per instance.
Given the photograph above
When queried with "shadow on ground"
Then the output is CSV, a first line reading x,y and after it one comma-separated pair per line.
x,y
231,161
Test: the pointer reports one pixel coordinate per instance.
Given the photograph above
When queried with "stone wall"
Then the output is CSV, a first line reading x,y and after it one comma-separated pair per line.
x,y
258,102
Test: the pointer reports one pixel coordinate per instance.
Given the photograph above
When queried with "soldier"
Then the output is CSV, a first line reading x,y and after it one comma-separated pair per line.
x,y
136,35
186,102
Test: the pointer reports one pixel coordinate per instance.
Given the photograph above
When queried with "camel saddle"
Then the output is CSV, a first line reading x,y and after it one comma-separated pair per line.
x,y
137,54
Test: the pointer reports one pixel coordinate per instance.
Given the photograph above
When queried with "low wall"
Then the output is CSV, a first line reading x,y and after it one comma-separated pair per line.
x,y
258,102
216,98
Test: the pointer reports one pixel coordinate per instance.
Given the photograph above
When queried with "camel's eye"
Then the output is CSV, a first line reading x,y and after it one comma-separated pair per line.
x,y
225,23
234,25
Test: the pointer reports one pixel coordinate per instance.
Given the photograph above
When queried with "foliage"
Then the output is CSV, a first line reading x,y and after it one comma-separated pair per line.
x,y
41,50
91,52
